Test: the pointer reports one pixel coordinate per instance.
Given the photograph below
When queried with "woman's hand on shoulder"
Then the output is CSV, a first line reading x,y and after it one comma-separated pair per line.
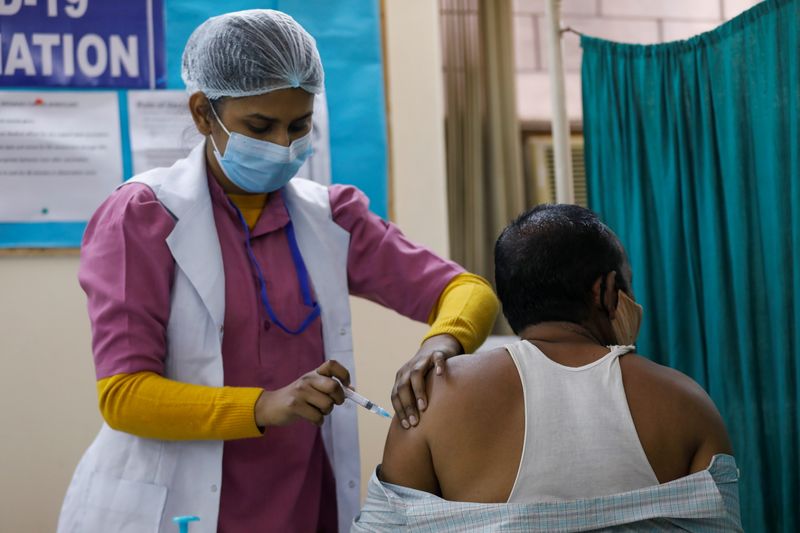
x,y
408,394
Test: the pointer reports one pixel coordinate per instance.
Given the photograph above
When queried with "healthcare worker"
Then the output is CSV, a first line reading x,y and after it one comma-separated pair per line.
x,y
218,297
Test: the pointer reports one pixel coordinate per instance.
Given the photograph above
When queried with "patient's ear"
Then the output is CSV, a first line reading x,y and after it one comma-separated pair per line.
x,y
605,294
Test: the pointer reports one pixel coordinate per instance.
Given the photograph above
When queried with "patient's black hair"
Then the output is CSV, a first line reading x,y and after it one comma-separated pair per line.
x,y
547,260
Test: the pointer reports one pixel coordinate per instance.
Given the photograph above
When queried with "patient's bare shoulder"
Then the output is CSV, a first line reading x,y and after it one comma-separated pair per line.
x,y
667,384
665,400
462,403
475,384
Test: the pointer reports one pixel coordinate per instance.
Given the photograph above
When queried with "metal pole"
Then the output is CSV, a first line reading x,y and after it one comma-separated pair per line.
x,y
565,190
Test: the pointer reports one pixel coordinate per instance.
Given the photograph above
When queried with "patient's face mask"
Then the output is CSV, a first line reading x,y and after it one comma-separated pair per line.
x,y
627,321
260,166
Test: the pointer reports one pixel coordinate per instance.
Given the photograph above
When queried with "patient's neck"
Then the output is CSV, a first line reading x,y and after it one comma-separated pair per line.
x,y
566,343
562,331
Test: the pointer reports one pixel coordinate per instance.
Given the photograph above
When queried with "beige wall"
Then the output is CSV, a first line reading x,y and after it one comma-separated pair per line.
x,y
383,339
49,414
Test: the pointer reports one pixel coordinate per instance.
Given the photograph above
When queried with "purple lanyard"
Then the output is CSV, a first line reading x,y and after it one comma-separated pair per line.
x,y
302,277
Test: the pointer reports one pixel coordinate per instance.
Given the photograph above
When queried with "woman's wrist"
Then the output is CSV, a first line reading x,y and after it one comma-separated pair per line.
x,y
445,343
260,410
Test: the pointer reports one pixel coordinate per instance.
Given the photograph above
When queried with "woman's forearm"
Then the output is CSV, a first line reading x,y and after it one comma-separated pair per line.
x,y
148,405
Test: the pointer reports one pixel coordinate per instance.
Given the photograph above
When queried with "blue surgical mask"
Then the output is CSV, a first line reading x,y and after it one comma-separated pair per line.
x,y
260,166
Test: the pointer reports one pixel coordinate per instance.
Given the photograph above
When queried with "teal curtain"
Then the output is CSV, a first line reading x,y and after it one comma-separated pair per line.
x,y
693,158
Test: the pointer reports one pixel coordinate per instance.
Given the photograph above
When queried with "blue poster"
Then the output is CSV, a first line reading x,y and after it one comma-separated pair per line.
x,y
82,43
40,46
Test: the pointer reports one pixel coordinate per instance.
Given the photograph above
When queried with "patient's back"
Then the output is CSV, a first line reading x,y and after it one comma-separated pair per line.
x,y
474,428
580,440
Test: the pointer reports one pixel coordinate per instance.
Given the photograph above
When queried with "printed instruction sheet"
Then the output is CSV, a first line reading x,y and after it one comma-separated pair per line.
x,y
60,154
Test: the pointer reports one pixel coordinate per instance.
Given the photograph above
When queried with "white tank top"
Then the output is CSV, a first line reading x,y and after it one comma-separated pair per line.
x,y
580,441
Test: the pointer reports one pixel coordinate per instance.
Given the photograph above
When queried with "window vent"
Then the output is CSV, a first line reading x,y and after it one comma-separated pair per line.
x,y
541,162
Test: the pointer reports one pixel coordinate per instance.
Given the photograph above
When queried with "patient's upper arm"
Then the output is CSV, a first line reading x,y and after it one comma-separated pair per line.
x,y
710,429
407,458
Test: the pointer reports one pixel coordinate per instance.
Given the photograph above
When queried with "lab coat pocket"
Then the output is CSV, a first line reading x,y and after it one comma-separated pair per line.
x,y
123,506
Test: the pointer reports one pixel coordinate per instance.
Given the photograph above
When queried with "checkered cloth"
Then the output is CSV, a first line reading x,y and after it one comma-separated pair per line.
x,y
706,501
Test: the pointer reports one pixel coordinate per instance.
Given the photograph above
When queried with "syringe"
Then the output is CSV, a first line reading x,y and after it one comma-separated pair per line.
x,y
366,404
350,394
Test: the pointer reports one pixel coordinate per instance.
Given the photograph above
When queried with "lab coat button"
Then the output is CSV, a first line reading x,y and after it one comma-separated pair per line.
x,y
351,484
221,330
213,488
343,331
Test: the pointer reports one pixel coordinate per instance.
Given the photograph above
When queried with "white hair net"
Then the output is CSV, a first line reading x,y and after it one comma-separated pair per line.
x,y
251,52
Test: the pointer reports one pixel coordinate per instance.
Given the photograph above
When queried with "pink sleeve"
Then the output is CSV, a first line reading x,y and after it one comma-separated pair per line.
x,y
383,265
126,271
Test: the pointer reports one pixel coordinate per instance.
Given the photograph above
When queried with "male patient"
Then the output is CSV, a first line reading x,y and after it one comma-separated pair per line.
x,y
567,419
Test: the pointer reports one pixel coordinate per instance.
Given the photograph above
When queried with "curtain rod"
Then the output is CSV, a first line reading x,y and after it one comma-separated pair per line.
x,y
570,29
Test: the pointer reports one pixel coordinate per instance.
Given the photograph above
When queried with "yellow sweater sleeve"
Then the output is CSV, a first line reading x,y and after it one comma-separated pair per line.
x,y
467,309
151,406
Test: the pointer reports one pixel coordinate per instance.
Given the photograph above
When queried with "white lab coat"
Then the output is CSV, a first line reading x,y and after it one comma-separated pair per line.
x,y
128,484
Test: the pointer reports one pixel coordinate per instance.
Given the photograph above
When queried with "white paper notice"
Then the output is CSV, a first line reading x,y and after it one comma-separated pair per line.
x,y
161,128
162,131
318,166
60,154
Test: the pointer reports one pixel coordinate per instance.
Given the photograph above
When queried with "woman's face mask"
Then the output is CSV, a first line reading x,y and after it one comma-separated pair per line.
x,y
627,321
260,166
